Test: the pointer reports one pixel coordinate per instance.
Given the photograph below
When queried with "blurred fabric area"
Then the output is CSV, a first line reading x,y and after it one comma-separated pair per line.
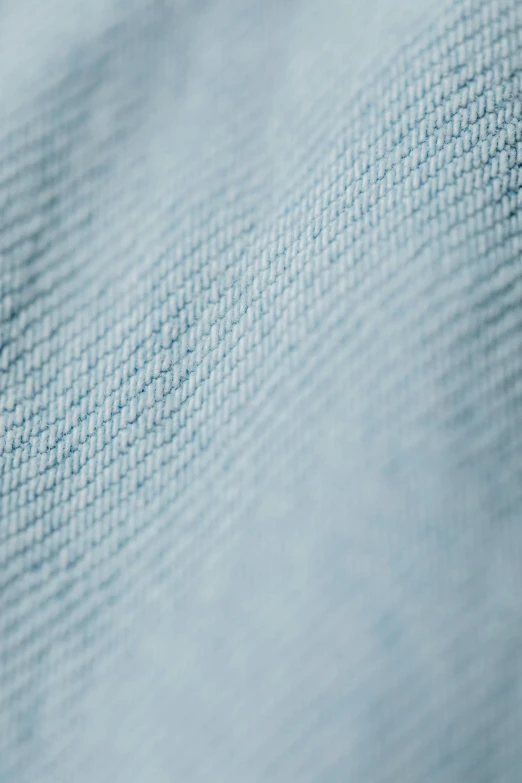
x,y
260,391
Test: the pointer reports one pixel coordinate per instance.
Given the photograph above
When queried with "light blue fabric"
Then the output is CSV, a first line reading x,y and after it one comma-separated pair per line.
x,y
261,391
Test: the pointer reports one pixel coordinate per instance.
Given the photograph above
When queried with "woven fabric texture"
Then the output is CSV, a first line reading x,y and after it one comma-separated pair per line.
x,y
261,391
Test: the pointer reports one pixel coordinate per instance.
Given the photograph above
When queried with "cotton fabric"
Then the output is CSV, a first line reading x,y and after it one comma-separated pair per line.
x,y
260,391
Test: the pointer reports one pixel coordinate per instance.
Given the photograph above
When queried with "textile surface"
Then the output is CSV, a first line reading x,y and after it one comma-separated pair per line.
x,y
261,391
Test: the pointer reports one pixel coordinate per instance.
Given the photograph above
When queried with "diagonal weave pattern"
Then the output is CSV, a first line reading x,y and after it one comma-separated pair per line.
x,y
261,391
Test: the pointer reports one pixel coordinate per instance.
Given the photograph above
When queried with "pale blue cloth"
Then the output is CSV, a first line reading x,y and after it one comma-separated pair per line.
x,y
261,391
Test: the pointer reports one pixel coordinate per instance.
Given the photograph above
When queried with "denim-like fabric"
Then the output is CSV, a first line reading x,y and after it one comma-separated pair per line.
x,y
261,391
